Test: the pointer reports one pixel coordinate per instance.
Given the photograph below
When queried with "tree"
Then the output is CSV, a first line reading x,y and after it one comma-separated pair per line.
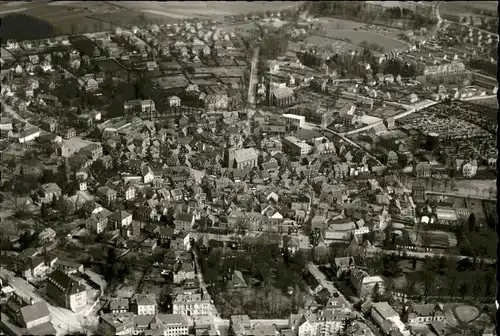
x,y
111,257
471,222
463,289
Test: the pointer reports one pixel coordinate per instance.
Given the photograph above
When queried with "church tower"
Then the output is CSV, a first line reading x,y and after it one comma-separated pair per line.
x,y
229,153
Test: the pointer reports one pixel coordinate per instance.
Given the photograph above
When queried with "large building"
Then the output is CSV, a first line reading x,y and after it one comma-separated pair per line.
x,y
66,291
293,122
295,147
241,158
139,105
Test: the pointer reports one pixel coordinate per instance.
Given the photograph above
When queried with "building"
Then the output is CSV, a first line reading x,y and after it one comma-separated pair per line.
x,y
198,304
142,304
365,284
469,169
116,324
66,291
424,313
29,135
48,191
282,96
293,122
67,266
295,147
141,106
241,158
119,306
422,170
34,315
174,101
184,271
92,151
446,216
120,219
387,318
184,221
106,194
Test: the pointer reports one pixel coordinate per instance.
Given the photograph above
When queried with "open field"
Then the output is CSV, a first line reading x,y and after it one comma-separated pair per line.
x,y
204,9
333,23
464,7
356,37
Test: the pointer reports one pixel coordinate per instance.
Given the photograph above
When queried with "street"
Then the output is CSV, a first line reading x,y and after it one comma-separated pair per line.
x,y
8,109
252,84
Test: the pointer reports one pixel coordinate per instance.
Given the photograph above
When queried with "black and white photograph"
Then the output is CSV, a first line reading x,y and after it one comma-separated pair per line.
x,y
248,168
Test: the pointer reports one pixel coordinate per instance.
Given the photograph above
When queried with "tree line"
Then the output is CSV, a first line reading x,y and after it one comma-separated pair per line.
x,y
364,12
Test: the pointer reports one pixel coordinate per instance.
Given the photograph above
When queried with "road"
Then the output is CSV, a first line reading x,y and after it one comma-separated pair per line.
x,y
79,80
203,285
432,254
252,84
8,109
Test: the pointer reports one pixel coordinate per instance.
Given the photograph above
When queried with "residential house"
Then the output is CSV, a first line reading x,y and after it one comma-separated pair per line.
x,y
469,169
343,265
106,194
364,284
119,306
66,291
174,101
142,304
98,222
29,135
120,219
48,191
184,271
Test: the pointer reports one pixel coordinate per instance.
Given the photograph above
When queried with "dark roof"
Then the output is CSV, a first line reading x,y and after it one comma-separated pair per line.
x,y
65,283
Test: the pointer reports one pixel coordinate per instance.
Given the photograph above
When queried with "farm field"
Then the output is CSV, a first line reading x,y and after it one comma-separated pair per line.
x,y
82,18
356,37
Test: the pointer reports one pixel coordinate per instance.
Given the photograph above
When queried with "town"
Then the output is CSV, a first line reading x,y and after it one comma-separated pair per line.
x,y
269,173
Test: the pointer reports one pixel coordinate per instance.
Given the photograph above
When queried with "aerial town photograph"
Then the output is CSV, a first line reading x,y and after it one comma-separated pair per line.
x,y
264,168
